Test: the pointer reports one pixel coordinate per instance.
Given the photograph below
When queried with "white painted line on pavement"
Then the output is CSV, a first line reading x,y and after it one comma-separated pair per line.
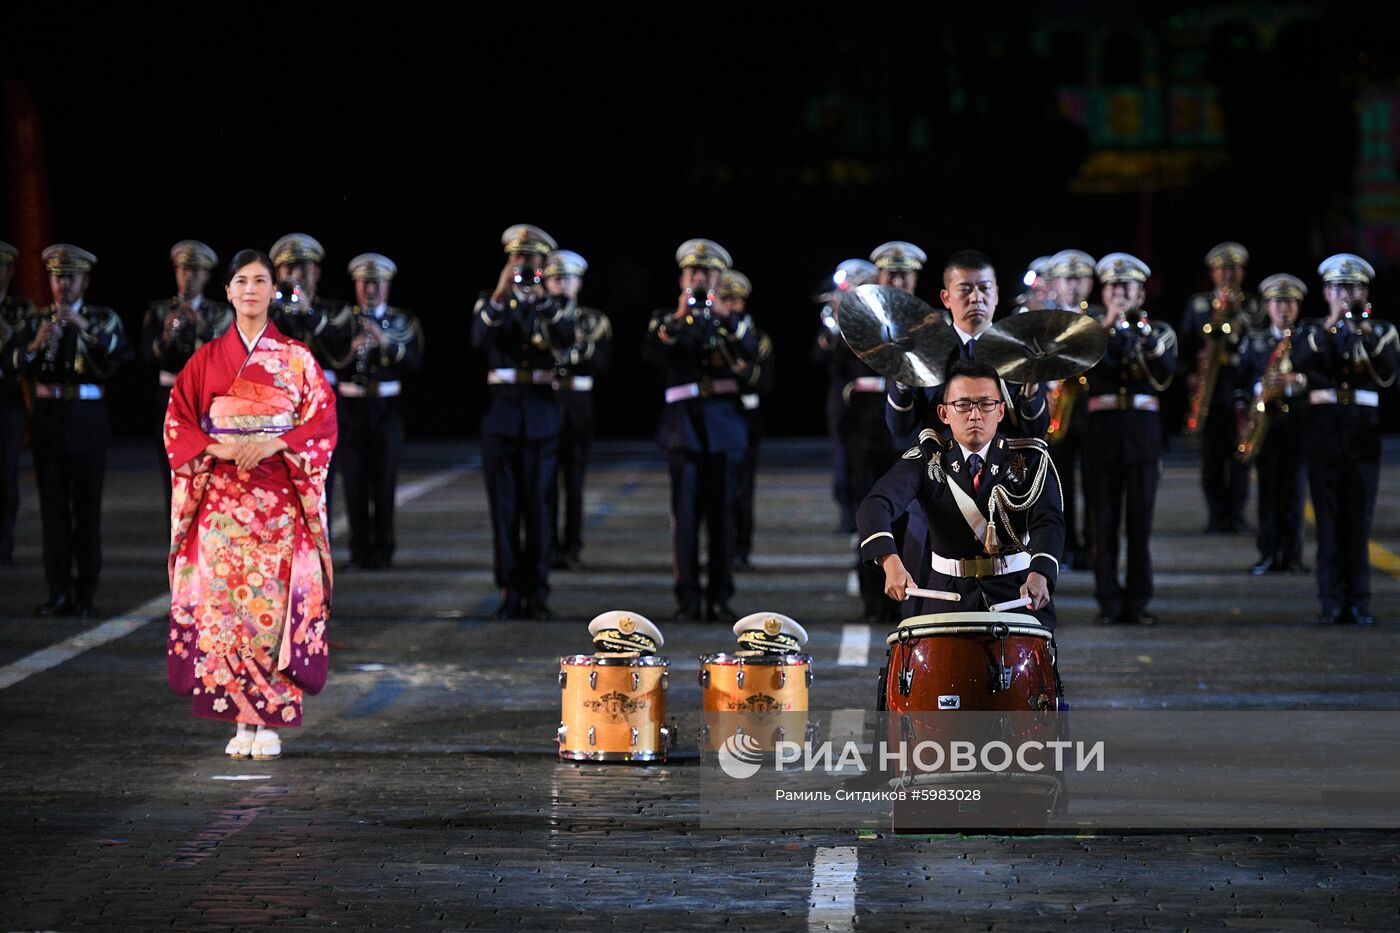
x,y
240,777
853,583
832,905
159,606
855,646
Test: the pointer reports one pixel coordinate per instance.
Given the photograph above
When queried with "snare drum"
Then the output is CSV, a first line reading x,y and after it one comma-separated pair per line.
x,y
752,682
614,708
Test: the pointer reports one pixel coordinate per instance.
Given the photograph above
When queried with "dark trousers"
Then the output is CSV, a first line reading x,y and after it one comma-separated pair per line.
x,y
743,499
1344,501
702,490
573,464
867,466
519,473
1115,490
1223,478
1065,454
1281,478
368,450
11,433
70,460
846,502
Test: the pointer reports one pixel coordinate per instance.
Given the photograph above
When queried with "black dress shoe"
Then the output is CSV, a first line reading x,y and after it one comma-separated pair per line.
x,y
540,611
1332,617
61,605
720,612
1361,618
686,613
88,611
1293,565
509,608
1140,617
1264,566
1103,618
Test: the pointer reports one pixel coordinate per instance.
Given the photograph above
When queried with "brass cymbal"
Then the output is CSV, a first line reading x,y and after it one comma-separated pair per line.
x,y
897,335
1036,346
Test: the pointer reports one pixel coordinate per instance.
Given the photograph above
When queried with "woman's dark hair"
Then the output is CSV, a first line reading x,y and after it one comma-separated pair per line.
x,y
247,257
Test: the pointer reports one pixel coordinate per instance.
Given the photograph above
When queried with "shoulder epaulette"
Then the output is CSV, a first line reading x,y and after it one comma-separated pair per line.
x,y
1016,443
933,434
914,453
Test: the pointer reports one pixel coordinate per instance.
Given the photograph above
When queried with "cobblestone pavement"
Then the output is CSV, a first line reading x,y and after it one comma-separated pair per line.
x,y
424,793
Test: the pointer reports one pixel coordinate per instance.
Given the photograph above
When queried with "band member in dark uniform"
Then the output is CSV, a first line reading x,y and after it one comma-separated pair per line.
x,y
70,349
1213,329
734,291
706,356
523,332
588,358
386,344
829,351
1123,446
14,315
972,484
1071,274
1347,360
1274,397
173,328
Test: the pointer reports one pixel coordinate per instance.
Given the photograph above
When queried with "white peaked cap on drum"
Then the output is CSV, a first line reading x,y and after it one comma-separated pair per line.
x,y
1346,268
770,631
1122,267
898,256
620,630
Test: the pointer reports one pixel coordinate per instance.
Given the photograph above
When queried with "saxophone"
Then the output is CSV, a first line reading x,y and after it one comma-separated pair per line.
x,y
1061,401
1216,331
1252,437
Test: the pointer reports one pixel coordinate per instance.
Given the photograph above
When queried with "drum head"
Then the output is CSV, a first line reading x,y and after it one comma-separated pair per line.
x,y
967,623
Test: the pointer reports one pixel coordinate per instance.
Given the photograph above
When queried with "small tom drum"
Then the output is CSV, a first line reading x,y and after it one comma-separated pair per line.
x,y
614,708
754,682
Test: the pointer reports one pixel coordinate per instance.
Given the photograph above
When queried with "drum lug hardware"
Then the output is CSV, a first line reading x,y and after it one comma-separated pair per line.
x,y
1001,677
782,677
561,735
665,679
636,683
740,678
809,677
906,681
669,731
705,679
782,734
635,736
592,680
904,636
810,733
563,679
592,735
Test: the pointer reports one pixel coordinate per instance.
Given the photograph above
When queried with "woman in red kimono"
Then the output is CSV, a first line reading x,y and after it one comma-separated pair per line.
x,y
249,432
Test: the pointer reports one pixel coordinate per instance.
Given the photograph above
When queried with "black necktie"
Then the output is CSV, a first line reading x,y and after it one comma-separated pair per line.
x,y
969,348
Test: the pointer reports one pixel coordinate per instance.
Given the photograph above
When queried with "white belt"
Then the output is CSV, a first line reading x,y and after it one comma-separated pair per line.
x,y
1124,402
749,401
868,384
167,379
576,383
85,392
1366,398
981,566
702,389
509,377
386,389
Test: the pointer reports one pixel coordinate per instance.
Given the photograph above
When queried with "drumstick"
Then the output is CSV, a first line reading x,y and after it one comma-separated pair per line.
x,y
1012,604
932,594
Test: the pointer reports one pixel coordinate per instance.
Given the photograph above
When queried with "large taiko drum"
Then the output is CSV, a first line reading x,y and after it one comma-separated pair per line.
x,y
614,707
770,687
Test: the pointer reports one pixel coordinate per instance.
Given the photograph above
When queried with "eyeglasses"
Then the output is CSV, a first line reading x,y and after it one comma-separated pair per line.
x,y
964,405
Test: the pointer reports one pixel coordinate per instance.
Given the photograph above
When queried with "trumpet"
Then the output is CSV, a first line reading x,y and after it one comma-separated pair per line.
x,y
55,336
1257,425
1216,332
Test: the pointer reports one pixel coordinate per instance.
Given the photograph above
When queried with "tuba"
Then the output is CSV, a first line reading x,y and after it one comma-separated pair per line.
x,y
1252,437
1061,402
1216,331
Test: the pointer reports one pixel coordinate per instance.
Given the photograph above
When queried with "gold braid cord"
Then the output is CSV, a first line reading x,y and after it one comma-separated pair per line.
x,y
1001,502
1391,335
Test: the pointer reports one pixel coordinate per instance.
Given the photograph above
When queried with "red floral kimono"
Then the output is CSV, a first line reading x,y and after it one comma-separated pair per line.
x,y
250,561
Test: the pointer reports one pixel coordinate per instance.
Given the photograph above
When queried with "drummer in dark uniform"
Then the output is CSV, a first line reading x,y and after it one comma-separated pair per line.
x,y
829,351
1275,397
386,344
1219,320
523,332
70,349
1348,359
14,315
996,527
734,291
706,356
1071,285
589,357
1123,444
173,328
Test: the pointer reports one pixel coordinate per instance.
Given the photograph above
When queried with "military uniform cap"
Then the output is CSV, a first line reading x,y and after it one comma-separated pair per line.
x,y
373,267
853,272
8,253
1039,268
1122,267
1229,253
1282,286
193,254
296,248
707,254
1071,264
524,238
734,284
898,256
1346,268
67,259
770,632
565,262
620,630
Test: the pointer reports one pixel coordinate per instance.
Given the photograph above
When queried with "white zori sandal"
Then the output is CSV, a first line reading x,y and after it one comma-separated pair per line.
x,y
266,745
240,746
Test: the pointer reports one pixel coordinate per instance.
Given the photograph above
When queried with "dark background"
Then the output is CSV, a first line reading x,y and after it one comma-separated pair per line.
x,y
796,136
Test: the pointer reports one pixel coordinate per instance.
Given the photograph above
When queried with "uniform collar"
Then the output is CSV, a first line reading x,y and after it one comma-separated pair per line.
x,y
981,453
